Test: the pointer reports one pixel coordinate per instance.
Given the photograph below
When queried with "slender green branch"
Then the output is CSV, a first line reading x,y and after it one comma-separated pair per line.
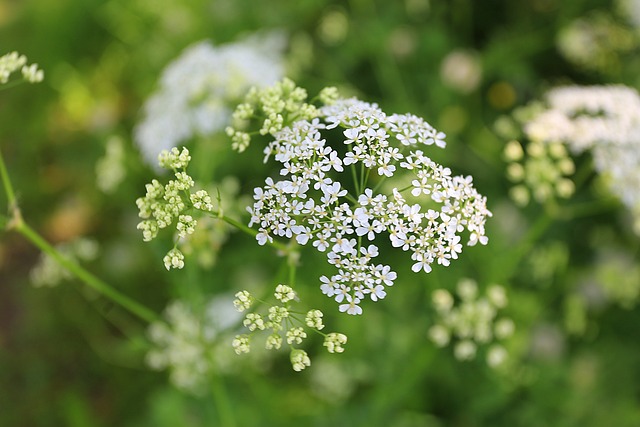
x,y
223,404
89,279
525,245
250,231
6,183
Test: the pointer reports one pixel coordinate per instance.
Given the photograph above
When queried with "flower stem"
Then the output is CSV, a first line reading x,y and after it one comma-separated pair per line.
x,y
89,279
223,404
16,222
6,183
240,226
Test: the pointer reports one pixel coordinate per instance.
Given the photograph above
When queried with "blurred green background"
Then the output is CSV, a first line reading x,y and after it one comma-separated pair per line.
x,y
70,358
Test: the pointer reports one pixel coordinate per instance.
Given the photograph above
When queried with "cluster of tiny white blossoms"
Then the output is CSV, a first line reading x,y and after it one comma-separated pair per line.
x,y
472,321
284,324
543,172
12,62
604,120
173,202
316,203
49,273
188,345
198,90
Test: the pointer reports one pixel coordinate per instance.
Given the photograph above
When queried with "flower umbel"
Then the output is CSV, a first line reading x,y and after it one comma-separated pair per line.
x,y
424,214
283,323
473,321
172,202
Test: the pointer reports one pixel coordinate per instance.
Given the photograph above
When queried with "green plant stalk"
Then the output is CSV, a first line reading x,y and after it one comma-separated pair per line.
x,y
240,226
16,222
223,404
6,183
89,279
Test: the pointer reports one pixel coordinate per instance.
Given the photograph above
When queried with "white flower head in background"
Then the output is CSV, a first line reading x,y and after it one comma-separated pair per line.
x,y
190,346
198,90
604,120
461,70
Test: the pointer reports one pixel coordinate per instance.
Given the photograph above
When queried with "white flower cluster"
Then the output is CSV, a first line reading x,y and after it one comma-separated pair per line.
x,y
604,120
284,324
189,345
197,90
49,273
472,321
315,203
164,204
11,62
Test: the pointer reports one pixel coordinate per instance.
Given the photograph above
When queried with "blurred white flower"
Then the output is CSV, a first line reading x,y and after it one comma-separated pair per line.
x,y
188,345
198,90
461,70
604,120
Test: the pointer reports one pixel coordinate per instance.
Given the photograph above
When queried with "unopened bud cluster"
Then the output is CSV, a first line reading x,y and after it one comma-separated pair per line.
x,y
174,202
283,324
471,320
541,171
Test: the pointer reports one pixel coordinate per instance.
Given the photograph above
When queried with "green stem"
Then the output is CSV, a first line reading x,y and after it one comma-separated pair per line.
x,y
89,279
525,245
6,183
250,231
223,404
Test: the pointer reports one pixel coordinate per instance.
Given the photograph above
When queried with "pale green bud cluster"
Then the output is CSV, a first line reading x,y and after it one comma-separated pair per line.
x,y
283,323
472,321
171,203
11,62
541,171
274,107
334,342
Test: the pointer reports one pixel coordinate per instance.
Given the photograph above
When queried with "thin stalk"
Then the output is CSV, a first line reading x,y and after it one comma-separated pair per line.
x,y
6,183
250,231
223,404
89,279
525,245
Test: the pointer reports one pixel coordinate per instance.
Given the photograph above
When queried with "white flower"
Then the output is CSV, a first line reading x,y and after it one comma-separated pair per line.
x,y
197,89
604,120
311,205
313,319
334,342
296,335
299,359
284,293
174,259
243,301
241,344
